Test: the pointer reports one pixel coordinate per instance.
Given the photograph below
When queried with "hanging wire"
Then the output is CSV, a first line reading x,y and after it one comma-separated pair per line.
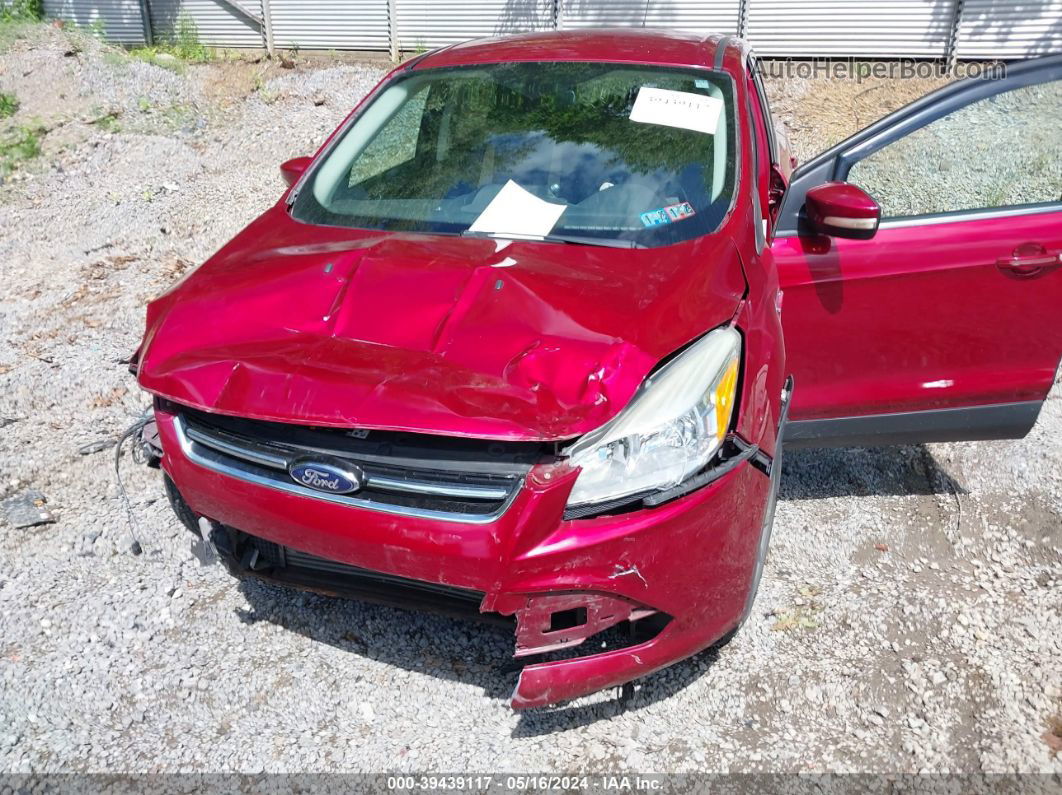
x,y
132,432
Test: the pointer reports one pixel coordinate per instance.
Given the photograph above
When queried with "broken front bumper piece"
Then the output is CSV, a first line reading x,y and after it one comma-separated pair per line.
x,y
596,602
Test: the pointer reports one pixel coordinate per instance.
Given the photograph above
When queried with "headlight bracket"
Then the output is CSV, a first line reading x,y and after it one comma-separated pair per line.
x,y
734,452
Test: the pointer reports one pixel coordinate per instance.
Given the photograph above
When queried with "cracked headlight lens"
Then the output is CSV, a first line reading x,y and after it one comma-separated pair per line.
x,y
672,427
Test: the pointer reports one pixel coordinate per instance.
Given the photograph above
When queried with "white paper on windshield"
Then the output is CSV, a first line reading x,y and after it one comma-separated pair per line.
x,y
515,211
677,109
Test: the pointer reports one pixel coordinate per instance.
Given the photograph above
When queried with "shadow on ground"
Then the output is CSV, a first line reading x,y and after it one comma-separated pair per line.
x,y
481,654
462,651
814,474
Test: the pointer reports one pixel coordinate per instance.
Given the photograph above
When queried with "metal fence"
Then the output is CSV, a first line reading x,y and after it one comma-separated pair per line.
x,y
944,29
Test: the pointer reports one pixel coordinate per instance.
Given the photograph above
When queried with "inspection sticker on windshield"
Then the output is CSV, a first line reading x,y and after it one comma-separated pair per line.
x,y
667,215
677,109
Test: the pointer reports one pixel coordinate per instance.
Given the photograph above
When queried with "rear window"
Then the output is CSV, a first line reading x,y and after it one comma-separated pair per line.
x,y
590,150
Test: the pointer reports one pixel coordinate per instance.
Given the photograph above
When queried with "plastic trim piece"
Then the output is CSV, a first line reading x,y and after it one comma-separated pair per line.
x,y
720,52
775,474
975,423
295,569
652,499
709,476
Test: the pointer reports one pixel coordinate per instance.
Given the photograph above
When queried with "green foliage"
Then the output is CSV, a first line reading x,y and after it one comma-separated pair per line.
x,y
151,55
187,46
17,145
176,116
21,11
16,20
184,46
115,58
266,94
8,105
108,123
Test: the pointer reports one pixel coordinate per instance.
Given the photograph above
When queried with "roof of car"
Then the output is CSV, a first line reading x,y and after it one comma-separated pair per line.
x,y
618,45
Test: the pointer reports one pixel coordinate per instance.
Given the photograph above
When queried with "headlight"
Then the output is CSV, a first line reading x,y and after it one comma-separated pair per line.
x,y
671,428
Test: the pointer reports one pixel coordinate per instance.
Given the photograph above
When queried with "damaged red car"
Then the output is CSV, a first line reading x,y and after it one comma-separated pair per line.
x,y
511,343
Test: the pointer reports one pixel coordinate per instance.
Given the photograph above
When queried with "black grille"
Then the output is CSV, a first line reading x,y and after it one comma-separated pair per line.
x,y
469,479
291,567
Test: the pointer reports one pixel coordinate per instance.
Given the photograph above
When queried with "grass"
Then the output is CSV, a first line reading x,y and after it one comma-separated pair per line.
x,y
8,105
97,28
17,17
184,48
267,95
22,11
109,123
19,144
11,31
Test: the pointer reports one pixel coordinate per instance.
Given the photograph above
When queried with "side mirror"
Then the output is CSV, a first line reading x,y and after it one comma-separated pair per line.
x,y
292,169
840,209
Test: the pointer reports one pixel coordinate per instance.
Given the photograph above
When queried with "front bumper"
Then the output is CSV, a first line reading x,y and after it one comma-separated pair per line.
x,y
685,566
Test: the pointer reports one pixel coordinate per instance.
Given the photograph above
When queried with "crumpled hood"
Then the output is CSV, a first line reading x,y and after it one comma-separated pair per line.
x,y
349,328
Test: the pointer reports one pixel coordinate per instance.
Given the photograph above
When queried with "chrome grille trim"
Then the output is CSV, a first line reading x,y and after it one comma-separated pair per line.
x,y
435,490
237,451
382,482
262,468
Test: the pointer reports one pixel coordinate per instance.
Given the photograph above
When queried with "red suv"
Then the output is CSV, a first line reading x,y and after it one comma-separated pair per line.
x,y
511,344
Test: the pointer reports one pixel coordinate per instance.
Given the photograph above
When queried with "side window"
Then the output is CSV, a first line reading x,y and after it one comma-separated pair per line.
x,y
1001,151
394,144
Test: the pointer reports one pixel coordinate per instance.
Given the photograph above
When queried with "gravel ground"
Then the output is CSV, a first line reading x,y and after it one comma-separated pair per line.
x,y
909,618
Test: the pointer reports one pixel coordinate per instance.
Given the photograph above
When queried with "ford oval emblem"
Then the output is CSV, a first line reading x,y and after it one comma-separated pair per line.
x,y
333,477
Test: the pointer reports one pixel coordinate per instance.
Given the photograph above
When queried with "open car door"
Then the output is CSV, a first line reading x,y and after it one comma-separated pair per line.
x,y
944,321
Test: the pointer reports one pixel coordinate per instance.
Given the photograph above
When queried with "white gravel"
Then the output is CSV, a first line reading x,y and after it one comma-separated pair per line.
x,y
916,591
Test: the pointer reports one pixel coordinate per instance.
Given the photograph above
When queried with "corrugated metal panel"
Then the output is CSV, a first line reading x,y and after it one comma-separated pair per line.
x,y
699,16
218,24
1010,28
330,24
121,19
431,23
863,29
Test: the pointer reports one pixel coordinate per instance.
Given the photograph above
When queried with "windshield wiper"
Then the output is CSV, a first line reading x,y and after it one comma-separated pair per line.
x,y
578,240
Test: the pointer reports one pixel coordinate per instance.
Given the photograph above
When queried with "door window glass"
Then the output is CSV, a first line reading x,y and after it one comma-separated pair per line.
x,y
1001,151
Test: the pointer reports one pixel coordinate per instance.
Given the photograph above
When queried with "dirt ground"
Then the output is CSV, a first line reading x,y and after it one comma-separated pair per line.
x,y
909,621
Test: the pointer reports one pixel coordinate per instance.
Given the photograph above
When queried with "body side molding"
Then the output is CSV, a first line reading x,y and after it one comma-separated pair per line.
x,y
975,423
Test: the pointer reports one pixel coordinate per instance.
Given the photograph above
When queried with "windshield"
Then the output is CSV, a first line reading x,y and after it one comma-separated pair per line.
x,y
585,151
